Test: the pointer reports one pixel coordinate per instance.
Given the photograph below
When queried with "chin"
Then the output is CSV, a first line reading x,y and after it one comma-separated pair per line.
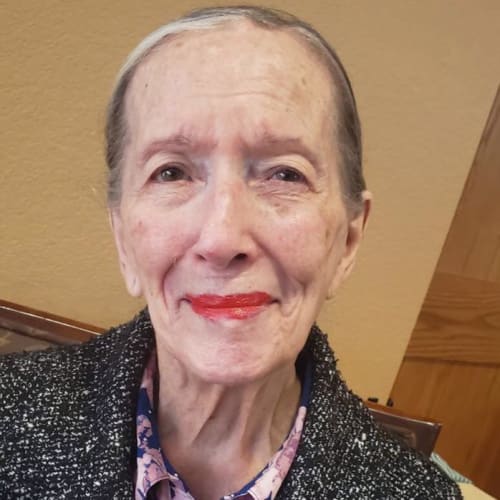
x,y
232,371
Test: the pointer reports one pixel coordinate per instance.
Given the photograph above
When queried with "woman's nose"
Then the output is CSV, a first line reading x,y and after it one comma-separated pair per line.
x,y
225,238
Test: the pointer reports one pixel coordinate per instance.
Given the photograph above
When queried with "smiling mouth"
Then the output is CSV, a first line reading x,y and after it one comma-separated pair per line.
x,y
236,306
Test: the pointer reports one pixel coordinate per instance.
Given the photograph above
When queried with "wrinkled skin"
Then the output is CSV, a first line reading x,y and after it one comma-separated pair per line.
x,y
231,185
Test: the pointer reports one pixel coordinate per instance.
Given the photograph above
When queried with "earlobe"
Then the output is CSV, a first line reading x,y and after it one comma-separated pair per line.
x,y
356,228
127,265
133,286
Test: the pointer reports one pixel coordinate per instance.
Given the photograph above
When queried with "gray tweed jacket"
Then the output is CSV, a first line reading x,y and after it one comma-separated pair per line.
x,y
67,429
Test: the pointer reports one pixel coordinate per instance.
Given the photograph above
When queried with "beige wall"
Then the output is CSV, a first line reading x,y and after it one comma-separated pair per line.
x,y
425,73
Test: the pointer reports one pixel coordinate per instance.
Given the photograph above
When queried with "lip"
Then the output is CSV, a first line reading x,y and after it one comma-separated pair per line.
x,y
235,306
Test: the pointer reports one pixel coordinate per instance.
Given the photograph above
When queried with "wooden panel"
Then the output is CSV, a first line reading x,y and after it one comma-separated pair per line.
x,y
459,321
472,247
451,370
469,440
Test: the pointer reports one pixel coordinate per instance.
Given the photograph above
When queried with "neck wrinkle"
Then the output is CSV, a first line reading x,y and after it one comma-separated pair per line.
x,y
197,419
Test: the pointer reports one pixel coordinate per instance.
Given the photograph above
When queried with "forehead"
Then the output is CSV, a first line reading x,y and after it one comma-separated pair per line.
x,y
237,62
245,45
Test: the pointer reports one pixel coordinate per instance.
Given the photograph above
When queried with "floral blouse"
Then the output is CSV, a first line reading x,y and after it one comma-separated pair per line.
x,y
156,478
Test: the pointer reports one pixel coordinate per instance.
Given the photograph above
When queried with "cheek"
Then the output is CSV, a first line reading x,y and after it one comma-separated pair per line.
x,y
156,247
308,244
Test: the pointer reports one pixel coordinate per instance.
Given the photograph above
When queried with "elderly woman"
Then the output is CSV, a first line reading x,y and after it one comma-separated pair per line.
x,y
237,203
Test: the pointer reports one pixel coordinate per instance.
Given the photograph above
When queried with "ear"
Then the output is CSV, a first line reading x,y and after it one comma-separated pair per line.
x,y
127,262
355,230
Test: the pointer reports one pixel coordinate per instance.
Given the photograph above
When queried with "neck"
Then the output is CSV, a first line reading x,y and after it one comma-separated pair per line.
x,y
225,434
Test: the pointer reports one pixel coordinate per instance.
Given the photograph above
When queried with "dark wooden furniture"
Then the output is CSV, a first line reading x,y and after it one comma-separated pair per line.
x,y
43,326
419,433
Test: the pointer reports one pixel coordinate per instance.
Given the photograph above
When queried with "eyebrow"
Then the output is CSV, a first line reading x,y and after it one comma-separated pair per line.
x,y
265,142
177,141
284,144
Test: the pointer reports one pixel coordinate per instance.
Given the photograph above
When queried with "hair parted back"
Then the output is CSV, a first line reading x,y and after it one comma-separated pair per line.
x,y
348,128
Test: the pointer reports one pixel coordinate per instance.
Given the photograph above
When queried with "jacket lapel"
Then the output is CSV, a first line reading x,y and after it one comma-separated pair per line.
x,y
118,386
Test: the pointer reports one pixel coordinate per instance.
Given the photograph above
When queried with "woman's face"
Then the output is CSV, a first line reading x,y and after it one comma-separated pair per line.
x,y
231,222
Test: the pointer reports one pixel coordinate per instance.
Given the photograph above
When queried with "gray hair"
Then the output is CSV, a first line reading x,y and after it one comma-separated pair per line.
x,y
348,126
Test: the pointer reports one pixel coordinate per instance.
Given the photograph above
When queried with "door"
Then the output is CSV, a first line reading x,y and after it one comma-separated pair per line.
x,y
451,369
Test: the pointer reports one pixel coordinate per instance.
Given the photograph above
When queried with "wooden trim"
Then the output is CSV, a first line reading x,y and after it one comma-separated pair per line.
x,y
45,326
399,413
419,433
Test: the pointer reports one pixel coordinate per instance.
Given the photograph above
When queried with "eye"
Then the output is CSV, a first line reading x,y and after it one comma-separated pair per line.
x,y
170,173
287,174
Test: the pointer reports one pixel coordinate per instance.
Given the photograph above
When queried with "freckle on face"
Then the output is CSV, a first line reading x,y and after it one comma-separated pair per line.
x,y
281,210
138,228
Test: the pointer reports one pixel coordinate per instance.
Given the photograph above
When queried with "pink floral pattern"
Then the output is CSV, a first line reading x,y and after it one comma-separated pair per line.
x,y
156,479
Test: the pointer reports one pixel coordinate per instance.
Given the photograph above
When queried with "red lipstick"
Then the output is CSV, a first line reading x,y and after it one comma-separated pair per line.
x,y
237,306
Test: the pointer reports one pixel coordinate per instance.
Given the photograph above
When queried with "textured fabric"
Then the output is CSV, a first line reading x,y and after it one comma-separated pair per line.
x,y
67,429
154,469
344,454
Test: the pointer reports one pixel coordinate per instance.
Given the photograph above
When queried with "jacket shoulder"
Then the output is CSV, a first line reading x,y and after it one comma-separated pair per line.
x,y
66,416
344,454
21,372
